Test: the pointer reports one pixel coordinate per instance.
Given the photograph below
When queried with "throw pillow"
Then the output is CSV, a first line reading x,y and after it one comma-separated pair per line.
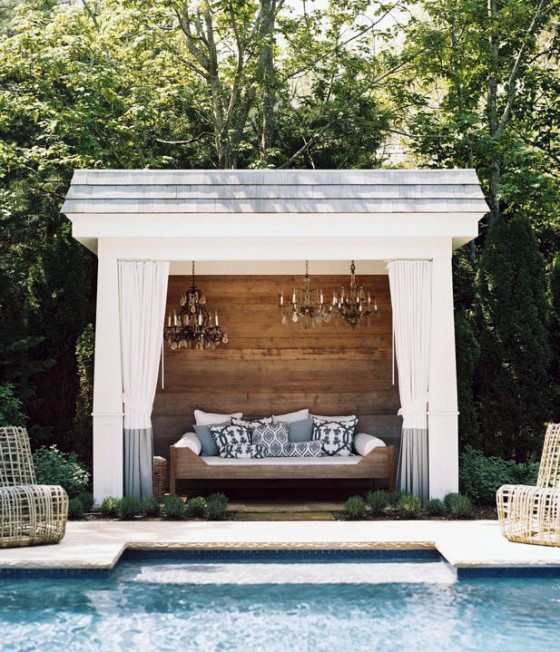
x,y
299,430
292,416
202,418
304,449
273,437
251,424
335,436
230,436
242,451
209,447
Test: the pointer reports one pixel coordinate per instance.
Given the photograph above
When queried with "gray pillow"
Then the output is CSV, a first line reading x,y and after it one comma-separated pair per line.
x,y
209,447
300,430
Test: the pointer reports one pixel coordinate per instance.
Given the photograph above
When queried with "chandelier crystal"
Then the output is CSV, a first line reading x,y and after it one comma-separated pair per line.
x,y
194,327
306,307
354,305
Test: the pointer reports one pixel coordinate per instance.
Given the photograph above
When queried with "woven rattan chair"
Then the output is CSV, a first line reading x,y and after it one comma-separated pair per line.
x,y
532,514
31,514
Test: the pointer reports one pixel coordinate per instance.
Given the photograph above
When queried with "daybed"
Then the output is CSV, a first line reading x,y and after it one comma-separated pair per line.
x,y
371,459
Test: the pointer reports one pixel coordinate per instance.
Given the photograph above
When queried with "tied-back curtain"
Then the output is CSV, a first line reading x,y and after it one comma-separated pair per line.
x,y
142,297
410,282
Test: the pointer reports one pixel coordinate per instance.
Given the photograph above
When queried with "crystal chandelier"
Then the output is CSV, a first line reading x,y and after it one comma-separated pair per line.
x,y
354,304
306,307
194,327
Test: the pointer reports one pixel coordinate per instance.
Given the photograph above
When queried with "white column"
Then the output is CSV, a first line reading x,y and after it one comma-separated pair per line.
x,y
442,412
107,384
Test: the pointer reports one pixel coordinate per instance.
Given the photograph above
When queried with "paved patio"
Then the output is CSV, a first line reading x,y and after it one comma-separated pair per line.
x,y
464,544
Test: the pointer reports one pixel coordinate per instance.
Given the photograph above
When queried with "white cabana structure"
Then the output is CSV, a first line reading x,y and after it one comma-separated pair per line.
x,y
144,224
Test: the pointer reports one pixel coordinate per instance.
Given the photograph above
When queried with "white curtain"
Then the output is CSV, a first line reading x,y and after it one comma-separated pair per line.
x,y
411,298
142,297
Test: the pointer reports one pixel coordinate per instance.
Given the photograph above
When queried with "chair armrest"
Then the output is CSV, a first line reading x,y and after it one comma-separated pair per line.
x,y
364,443
189,440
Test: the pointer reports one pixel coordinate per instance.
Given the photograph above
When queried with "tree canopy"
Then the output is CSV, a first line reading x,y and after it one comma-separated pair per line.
x,y
264,83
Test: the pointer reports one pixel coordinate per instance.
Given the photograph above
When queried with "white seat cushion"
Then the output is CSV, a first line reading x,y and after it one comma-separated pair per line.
x,y
285,461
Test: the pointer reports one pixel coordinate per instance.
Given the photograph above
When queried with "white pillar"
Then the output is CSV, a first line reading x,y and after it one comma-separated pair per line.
x,y
107,384
442,413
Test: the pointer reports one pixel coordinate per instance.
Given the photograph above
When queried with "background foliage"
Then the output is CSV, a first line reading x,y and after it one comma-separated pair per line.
x,y
272,83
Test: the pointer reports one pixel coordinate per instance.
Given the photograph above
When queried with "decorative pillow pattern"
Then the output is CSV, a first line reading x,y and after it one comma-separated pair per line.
x,y
230,436
242,451
273,438
304,449
209,447
251,424
335,436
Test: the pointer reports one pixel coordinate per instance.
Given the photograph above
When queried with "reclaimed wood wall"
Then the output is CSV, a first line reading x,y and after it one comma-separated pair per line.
x,y
270,368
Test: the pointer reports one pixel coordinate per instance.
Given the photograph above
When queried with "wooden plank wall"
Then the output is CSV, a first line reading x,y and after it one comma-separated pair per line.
x,y
270,368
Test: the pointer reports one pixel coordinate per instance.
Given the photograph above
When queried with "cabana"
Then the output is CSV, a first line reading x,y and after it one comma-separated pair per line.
x,y
147,226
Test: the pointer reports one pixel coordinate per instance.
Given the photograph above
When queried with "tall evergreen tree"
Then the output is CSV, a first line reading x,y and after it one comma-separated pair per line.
x,y
468,354
555,337
512,380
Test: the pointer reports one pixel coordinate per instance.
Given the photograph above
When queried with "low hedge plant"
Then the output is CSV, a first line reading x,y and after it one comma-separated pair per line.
x,y
196,508
216,507
172,508
129,508
355,508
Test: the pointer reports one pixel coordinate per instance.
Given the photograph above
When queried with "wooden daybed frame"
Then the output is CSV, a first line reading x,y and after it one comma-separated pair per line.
x,y
186,465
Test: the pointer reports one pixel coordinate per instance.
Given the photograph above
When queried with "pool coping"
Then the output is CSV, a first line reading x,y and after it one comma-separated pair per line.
x,y
469,547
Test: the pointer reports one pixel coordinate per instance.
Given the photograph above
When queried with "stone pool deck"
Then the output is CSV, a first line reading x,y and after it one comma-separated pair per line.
x,y
464,544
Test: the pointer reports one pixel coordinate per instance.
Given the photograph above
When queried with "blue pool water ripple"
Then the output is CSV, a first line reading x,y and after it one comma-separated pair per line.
x,y
117,613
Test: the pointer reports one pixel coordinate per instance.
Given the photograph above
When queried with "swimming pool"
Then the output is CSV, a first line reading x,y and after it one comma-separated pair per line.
x,y
263,601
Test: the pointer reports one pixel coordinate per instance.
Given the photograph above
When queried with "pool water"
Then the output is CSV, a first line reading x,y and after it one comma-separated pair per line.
x,y
212,604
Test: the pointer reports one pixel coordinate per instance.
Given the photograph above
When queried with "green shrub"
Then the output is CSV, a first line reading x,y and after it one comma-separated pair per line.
x,y
151,507
458,506
482,476
409,506
86,499
173,508
196,508
355,508
129,508
395,497
216,507
377,501
109,507
54,467
75,509
11,413
434,507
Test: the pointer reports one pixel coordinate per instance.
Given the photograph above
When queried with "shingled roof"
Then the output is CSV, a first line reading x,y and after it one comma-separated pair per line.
x,y
274,191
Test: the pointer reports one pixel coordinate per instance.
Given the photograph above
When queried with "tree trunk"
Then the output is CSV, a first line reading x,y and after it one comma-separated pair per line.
x,y
492,112
266,75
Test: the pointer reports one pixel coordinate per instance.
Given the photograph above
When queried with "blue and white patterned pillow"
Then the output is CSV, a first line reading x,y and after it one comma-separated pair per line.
x,y
273,437
304,449
242,451
251,424
335,436
230,435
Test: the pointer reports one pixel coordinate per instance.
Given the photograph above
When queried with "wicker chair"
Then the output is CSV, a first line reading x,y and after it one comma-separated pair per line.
x,y
532,514
30,514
